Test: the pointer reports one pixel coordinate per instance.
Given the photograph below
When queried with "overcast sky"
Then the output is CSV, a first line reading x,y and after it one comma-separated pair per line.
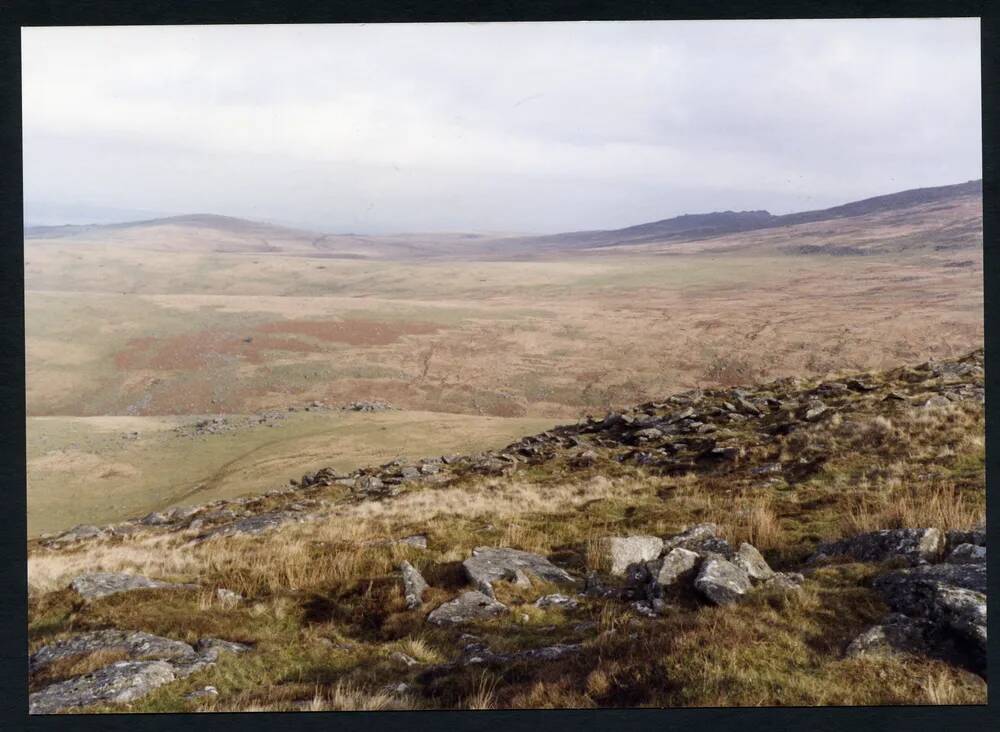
x,y
493,127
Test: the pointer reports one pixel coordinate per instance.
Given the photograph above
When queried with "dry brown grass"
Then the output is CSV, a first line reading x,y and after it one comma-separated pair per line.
x,y
941,506
484,693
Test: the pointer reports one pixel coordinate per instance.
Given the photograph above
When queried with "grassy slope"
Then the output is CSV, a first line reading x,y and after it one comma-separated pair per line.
x,y
325,607
81,470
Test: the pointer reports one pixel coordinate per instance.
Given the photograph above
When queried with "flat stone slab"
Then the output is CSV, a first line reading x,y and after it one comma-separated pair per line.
x,y
489,564
101,584
138,646
256,524
465,608
118,683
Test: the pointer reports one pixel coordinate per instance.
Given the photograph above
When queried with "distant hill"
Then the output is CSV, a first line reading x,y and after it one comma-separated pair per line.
x,y
209,232
693,227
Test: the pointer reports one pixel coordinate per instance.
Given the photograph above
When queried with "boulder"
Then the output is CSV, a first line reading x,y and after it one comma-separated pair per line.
x,y
750,561
913,545
118,683
101,584
897,634
467,607
413,585
677,564
967,554
721,581
951,597
488,564
623,551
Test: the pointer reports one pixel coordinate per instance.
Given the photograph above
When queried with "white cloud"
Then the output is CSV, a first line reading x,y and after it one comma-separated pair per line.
x,y
497,126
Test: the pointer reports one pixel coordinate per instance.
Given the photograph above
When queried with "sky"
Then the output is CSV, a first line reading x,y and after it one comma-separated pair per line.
x,y
492,127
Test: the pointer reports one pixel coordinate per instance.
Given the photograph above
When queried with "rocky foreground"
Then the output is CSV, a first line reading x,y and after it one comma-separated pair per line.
x,y
465,610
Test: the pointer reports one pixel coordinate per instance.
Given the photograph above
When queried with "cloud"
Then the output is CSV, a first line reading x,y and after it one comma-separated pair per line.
x,y
527,127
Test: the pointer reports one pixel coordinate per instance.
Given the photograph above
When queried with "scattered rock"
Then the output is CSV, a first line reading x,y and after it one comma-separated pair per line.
x,y
562,601
465,608
488,564
372,406
402,658
414,585
479,653
211,648
721,581
101,584
208,692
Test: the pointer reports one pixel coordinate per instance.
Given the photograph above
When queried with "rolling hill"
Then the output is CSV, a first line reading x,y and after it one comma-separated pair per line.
x,y
946,214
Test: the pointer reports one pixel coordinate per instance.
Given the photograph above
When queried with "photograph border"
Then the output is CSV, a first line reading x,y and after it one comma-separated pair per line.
x,y
13,535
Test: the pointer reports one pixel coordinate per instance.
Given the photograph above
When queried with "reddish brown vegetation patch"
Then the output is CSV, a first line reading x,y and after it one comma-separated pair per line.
x,y
354,332
203,349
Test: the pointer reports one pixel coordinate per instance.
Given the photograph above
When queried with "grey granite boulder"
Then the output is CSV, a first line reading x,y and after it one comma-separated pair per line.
x,y
677,564
623,551
414,585
101,584
465,608
750,561
489,564
913,545
118,683
951,597
721,581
